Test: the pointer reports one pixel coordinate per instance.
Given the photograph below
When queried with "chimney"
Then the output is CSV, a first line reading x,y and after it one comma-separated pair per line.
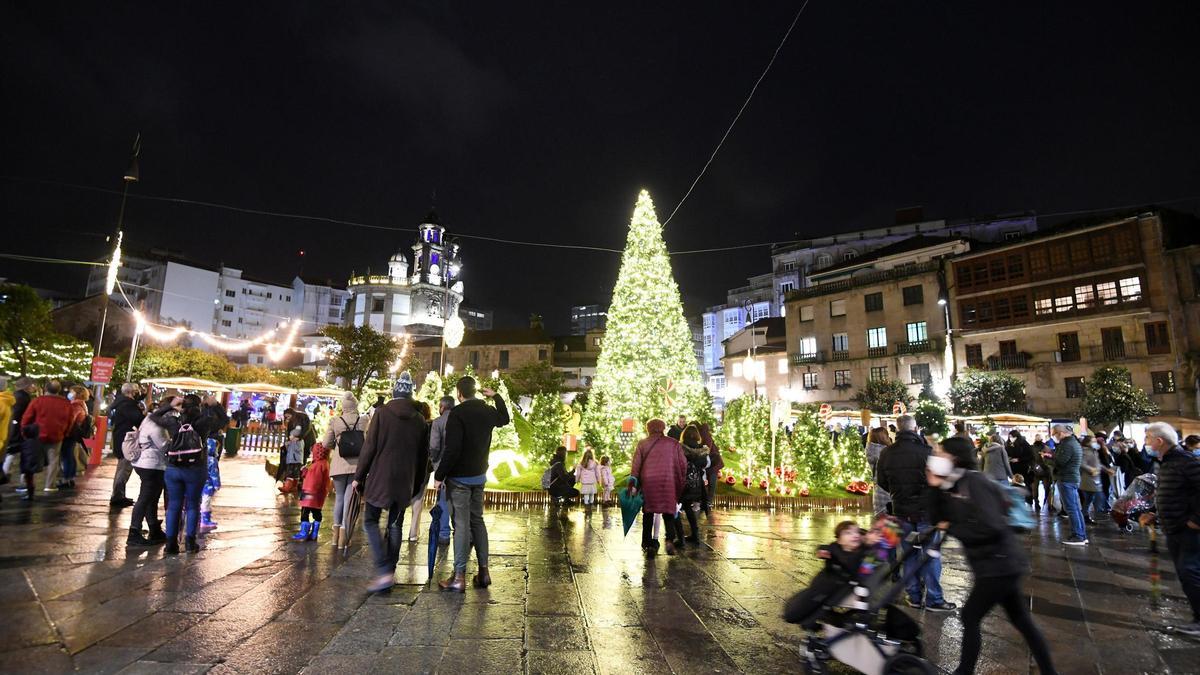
x,y
909,215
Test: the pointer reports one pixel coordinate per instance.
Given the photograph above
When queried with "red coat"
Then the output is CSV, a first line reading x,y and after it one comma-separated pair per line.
x,y
661,466
315,484
52,414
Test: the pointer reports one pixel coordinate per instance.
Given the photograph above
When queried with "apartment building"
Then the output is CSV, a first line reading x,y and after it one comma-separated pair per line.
x,y
879,315
1053,309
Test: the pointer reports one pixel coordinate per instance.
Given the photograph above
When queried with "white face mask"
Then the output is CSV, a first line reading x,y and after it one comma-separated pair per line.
x,y
71,396
939,466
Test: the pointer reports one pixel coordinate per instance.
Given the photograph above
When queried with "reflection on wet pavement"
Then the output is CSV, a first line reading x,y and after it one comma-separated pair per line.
x,y
569,595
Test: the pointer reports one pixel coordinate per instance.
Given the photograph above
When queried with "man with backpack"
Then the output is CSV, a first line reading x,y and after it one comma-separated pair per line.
x,y
123,416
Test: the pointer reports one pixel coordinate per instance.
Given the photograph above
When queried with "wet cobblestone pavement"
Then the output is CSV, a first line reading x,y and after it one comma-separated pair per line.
x,y
569,595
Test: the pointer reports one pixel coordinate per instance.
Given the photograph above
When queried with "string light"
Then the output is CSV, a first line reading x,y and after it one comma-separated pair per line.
x,y
275,350
400,357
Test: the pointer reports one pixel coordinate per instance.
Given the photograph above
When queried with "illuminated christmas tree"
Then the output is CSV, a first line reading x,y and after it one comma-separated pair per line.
x,y
647,366
431,391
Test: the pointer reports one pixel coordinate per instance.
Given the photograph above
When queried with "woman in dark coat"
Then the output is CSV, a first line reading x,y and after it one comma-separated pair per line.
x,y
716,463
562,482
659,468
974,510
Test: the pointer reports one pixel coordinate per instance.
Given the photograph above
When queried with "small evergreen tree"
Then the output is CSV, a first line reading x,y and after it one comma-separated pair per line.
x,y
747,429
881,394
1109,398
931,416
431,390
812,448
546,417
850,458
979,392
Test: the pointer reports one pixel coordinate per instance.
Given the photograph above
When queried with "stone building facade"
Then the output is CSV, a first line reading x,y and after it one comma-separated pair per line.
x,y
876,316
1053,309
485,351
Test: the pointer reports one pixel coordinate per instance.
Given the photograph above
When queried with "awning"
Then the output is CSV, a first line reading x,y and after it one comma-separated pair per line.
x,y
188,383
323,392
260,388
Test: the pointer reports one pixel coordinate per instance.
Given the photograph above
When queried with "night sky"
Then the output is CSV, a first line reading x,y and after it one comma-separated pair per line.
x,y
540,121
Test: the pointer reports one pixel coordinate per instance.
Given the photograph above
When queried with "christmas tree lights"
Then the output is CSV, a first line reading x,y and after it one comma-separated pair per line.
x,y
66,359
647,367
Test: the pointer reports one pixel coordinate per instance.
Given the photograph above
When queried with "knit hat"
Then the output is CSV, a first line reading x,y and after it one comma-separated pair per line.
x,y
403,387
349,402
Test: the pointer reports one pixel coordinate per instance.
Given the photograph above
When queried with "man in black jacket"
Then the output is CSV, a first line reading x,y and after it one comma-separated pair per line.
x,y
123,416
901,473
464,468
1177,499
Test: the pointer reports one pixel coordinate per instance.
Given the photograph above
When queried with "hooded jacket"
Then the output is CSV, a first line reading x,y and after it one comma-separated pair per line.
x,y
977,510
901,473
123,416
315,484
6,415
391,468
21,400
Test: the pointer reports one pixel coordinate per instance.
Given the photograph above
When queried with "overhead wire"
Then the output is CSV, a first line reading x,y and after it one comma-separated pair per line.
x,y
738,116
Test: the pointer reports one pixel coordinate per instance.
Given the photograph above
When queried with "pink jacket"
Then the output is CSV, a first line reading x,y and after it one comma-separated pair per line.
x,y
588,475
661,467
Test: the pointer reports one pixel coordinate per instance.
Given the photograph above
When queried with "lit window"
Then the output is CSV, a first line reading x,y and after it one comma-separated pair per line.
x,y
841,342
810,380
917,332
789,266
876,337
1131,289
808,346
1064,303
1107,292
841,379
783,367
760,310
1085,296
786,287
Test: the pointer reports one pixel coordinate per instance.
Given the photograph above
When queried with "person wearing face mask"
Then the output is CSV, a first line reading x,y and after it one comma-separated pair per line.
x,y
1089,479
1177,500
973,509
1192,444
1067,458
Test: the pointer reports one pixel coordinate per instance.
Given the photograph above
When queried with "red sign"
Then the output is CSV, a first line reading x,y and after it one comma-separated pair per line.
x,y
898,408
102,369
627,425
825,411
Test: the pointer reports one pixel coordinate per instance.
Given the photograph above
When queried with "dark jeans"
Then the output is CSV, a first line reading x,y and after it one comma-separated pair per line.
x,y
1184,547
385,548
308,513
146,507
184,486
69,467
121,478
668,525
926,585
1006,592
691,518
1089,500
466,509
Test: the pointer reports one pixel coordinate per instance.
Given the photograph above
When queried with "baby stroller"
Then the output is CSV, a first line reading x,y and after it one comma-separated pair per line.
x,y
860,626
1137,499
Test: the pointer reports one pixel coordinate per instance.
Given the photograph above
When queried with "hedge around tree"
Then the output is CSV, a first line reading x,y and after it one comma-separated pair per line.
x,y
980,392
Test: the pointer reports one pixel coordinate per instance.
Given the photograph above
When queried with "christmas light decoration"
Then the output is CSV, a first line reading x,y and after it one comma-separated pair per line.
x,y
454,332
275,351
67,360
114,265
646,368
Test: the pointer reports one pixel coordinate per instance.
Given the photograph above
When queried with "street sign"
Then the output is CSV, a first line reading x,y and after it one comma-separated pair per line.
x,y
102,369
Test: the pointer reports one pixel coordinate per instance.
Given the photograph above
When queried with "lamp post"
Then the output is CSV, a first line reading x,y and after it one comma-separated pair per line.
x,y
114,263
750,364
449,273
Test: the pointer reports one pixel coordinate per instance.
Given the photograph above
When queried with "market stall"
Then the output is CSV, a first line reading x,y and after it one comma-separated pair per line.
x,y
321,404
264,432
159,386
1029,425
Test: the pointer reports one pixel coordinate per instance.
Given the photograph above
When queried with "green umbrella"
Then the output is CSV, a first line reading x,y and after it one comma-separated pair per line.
x,y
630,507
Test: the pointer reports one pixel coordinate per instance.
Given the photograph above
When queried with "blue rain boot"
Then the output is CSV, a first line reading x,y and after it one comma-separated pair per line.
x,y
303,533
206,521
312,534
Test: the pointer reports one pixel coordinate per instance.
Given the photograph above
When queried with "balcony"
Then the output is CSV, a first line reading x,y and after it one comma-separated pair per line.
x,y
869,279
842,355
1008,361
1102,353
915,347
814,357
876,352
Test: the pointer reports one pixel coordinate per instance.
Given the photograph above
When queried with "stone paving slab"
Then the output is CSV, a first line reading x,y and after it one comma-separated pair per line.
x,y
570,594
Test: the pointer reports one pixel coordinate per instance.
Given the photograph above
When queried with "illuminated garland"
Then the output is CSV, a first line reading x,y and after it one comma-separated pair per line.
x,y
275,351
67,360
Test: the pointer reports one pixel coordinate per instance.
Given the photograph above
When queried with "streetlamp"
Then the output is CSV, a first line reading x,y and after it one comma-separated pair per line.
x,y
114,263
750,364
452,326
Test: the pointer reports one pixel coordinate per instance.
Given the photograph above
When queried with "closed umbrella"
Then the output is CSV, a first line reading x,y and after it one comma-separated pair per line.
x,y
630,507
350,518
435,529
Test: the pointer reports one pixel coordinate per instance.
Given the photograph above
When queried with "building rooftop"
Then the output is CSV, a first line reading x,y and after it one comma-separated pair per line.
x,y
903,246
502,336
